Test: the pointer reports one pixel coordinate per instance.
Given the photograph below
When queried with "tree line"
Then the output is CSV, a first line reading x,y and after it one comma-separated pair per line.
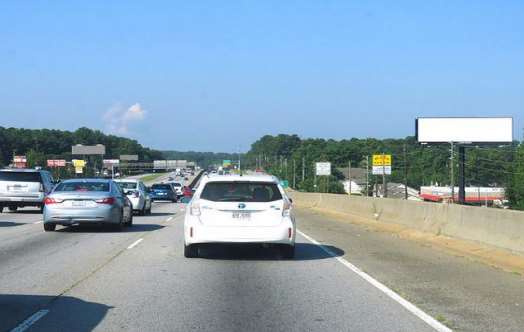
x,y
38,145
293,158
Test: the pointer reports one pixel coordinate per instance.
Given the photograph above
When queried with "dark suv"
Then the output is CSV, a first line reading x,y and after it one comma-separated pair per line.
x,y
24,187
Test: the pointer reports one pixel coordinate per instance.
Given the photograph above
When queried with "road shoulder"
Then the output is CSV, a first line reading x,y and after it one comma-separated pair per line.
x,y
463,294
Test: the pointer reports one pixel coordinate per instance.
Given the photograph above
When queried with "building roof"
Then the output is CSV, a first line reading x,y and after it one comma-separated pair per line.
x,y
358,175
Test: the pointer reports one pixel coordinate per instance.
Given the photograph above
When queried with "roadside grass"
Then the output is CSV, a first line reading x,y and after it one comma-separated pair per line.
x,y
151,177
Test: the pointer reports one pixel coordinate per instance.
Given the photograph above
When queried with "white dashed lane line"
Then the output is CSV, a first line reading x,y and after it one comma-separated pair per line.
x,y
26,324
134,244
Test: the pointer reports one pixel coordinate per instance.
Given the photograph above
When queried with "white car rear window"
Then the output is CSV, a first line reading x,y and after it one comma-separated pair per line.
x,y
228,191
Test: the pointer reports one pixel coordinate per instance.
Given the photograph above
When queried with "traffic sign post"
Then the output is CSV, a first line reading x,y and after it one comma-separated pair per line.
x,y
382,166
323,169
79,165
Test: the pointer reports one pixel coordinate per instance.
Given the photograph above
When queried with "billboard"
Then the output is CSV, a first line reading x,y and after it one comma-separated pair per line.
x,y
111,162
56,162
323,168
98,149
464,130
159,164
129,157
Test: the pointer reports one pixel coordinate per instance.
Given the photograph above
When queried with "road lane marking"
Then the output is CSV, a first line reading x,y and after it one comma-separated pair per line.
x,y
38,222
383,288
134,244
169,219
26,324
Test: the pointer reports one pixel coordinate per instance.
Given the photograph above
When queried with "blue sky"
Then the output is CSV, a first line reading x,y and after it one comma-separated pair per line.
x,y
217,75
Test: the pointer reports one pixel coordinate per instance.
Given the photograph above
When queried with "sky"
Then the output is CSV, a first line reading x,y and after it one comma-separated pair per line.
x,y
218,75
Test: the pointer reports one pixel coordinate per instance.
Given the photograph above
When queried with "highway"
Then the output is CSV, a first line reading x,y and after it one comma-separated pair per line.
x,y
84,279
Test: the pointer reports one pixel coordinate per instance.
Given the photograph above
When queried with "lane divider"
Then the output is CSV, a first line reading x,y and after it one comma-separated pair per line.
x,y
26,324
383,288
134,244
38,222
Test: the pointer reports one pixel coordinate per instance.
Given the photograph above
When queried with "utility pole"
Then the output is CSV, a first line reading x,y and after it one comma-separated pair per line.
x,y
405,173
239,168
384,184
303,168
294,177
462,174
452,173
367,176
315,178
286,169
349,178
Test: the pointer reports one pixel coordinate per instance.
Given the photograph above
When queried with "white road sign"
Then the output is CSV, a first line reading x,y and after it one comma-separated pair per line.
x,y
323,168
381,170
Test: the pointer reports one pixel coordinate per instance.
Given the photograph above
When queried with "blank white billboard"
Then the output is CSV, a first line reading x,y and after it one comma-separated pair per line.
x,y
464,130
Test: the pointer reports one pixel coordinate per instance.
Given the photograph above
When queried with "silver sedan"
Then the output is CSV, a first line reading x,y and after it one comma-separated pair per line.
x,y
87,201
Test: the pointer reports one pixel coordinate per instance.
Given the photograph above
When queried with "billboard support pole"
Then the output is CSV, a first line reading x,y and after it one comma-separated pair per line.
x,y
452,173
405,172
462,175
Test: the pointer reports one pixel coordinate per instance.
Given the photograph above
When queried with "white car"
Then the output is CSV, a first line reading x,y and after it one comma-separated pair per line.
x,y
138,194
178,188
239,209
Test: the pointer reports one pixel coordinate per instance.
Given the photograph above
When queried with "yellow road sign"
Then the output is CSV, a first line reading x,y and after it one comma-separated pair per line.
x,y
381,160
79,163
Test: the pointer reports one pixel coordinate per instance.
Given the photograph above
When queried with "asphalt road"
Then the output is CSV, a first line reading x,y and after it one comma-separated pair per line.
x,y
87,279
84,279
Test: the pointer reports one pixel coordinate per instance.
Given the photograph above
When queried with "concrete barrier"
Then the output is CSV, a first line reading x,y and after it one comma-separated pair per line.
x,y
495,227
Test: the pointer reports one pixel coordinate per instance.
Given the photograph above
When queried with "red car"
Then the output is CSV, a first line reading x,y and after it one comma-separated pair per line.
x,y
187,191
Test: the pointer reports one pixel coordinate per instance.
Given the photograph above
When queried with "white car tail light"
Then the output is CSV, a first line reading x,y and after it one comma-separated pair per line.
x,y
41,189
194,210
286,211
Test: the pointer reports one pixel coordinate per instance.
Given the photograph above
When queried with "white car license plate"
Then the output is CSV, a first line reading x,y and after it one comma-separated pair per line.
x,y
79,203
241,215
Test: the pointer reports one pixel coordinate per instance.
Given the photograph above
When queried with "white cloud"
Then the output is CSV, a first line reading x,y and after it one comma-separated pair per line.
x,y
118,119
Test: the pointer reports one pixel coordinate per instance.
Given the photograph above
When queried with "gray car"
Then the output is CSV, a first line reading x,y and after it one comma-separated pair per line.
x,y
24,187
138,194
87,201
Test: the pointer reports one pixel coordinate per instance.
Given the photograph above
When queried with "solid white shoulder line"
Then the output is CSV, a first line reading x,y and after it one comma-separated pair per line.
x,y
30,321
383,288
